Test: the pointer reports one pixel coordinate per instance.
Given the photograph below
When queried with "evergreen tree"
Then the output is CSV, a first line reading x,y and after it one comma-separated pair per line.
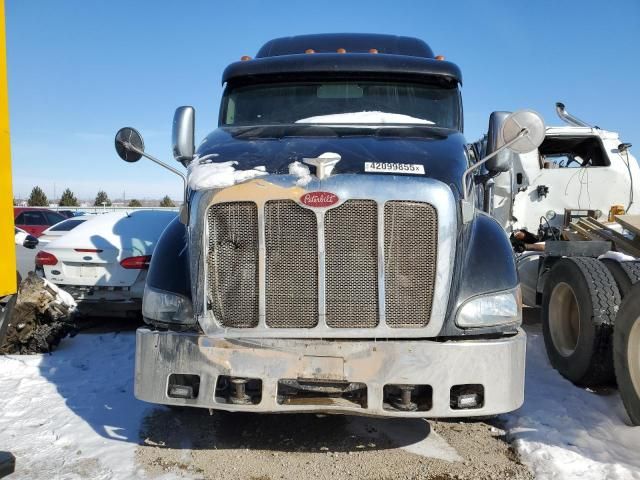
x,y
37,198
134,203
167,202
101,198
68,199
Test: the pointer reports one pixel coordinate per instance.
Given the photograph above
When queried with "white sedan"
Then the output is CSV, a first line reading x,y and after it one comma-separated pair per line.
x,y
103,262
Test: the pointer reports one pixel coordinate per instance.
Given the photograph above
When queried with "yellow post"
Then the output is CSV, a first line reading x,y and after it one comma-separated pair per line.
x,y
7,235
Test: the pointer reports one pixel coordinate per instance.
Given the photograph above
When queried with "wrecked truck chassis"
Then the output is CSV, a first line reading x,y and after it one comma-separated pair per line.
x,y
496,364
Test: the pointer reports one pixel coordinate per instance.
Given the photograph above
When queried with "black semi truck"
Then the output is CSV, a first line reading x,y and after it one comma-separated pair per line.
x,y
330,255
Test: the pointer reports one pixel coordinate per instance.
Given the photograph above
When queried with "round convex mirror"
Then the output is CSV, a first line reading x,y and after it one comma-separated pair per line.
x,y
126,138
515,123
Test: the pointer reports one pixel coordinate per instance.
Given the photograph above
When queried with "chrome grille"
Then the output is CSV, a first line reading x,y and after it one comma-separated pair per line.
x,y
291,241
233,263
410,253
351,244
309,269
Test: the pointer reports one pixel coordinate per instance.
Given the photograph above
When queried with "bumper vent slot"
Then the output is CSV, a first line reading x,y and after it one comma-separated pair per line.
x,y
410,254
291,241
351,243
233,263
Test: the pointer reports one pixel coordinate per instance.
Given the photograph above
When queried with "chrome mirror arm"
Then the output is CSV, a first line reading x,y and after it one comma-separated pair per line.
x,y
131,147
473,167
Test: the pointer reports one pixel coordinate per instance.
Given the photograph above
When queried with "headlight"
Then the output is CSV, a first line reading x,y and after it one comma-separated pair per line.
x,y
166,307
495,309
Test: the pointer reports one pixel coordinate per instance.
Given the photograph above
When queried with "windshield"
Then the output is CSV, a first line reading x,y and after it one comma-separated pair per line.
x,y
342,102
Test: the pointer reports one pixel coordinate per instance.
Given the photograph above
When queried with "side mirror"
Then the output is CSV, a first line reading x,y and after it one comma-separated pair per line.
x,y
130,148
129,144
182,137
30,242
521,132
501,162
505,127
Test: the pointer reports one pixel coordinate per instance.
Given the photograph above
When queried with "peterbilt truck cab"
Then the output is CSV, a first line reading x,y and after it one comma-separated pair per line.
x,y
329,256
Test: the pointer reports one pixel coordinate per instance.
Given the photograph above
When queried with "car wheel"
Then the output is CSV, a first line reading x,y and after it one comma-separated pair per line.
x,y
579,305
626,353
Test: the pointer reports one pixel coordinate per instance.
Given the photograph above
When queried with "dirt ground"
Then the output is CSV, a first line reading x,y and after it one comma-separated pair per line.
x,y
193,444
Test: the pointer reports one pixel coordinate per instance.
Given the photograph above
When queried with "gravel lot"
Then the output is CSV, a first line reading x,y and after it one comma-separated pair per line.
x,y
194,444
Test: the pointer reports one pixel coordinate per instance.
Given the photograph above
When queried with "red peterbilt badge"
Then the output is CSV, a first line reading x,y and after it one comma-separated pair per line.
x,y
319,199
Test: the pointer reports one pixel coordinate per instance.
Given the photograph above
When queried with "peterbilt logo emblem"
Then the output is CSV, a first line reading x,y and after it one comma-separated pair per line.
x,y
319,199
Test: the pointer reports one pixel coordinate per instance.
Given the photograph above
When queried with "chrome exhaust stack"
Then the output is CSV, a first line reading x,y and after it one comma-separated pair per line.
x,y
568,118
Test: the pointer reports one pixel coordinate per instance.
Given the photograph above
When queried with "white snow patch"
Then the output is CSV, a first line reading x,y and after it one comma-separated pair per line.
x,y
72,414
301,171
21,237
203,173
617,256
366,117
563,431
62,297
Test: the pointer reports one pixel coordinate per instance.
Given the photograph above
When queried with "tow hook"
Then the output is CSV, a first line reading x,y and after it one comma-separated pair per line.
x,y
239,395
404,403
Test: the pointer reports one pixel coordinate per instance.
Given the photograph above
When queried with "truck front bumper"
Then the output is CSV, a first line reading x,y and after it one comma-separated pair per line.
x,y
497,365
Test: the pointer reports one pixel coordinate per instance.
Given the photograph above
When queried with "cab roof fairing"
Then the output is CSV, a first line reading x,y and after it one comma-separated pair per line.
x,y
336,65
351,42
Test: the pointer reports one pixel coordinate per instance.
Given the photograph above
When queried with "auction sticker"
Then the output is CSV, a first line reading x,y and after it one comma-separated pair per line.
x,y
403,168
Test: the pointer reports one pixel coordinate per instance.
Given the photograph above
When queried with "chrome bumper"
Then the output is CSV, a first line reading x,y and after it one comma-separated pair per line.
x,y
498,365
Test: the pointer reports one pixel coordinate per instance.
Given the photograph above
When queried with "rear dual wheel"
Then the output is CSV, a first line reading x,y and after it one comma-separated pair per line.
x,y
626,353
579,306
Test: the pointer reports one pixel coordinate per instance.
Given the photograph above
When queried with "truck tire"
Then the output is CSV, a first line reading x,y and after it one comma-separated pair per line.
x,y
626,353
626,274
579,305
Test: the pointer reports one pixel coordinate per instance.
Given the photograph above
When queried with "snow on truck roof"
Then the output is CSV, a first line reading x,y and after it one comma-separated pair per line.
x,y
136,231
373,117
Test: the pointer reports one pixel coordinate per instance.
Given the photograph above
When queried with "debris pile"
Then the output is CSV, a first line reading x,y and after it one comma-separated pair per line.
x,y
43,315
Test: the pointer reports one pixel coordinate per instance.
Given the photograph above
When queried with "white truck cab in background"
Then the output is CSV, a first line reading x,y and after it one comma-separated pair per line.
x,y
576,167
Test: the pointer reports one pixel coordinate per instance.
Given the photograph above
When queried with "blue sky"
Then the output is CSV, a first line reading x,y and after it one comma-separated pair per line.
x,y
79,70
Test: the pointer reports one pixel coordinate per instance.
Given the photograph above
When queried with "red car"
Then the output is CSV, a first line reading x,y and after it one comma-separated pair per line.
x,y
35,220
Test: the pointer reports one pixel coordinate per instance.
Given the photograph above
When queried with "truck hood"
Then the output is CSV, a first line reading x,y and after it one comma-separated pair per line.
x,y
440,151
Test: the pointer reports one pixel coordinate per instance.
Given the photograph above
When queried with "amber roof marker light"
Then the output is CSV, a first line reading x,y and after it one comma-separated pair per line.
x,y
309,50
341,50
373,50
439,57
244,58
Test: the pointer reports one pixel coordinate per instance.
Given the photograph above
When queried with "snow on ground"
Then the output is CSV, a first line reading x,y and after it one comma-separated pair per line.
x,y
73,415
564,432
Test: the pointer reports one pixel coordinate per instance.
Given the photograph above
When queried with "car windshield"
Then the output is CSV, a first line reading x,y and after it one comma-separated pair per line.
x,y
342,102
